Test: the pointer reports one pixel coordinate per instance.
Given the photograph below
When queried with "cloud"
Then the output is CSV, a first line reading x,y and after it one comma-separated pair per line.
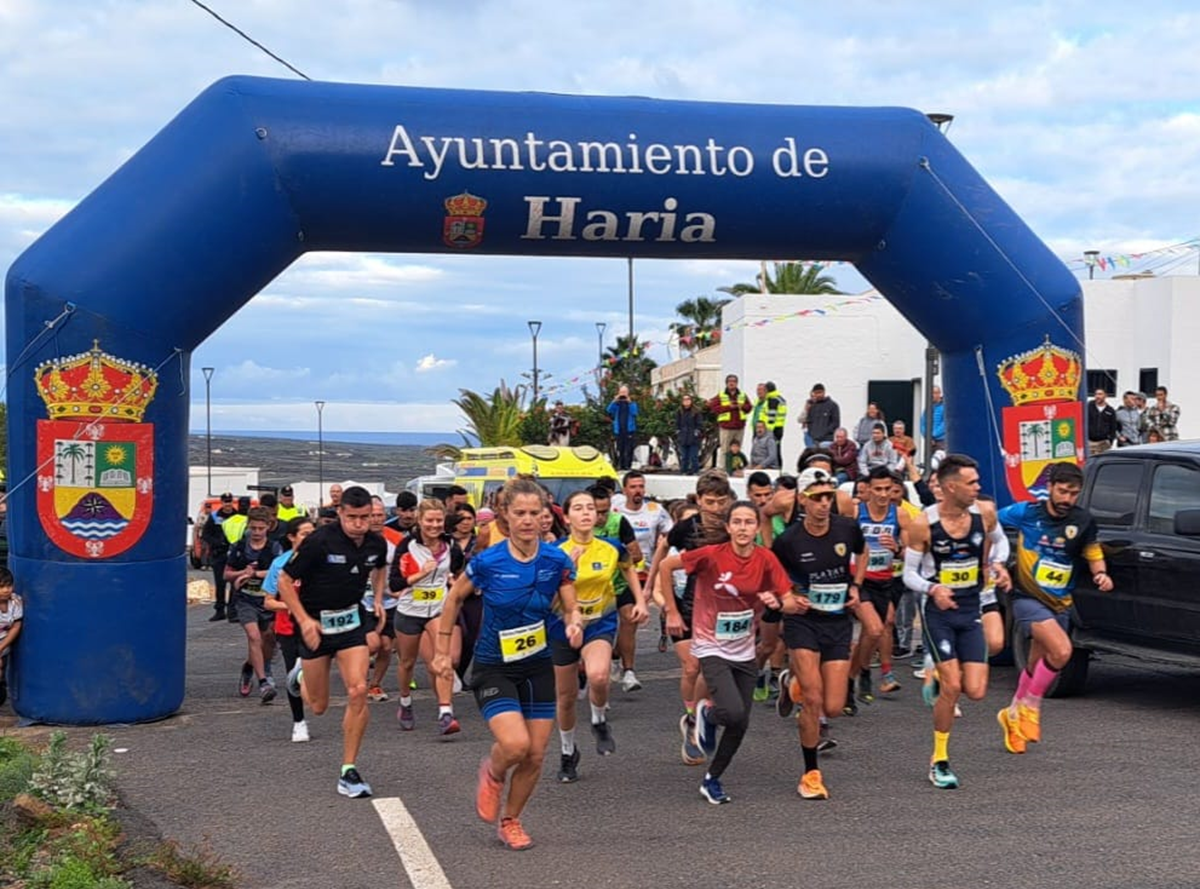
x,y
429,362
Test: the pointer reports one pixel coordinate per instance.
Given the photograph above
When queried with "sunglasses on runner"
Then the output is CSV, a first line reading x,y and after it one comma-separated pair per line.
x,y
822,495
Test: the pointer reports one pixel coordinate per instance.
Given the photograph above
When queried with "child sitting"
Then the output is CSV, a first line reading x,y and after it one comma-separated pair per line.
x,y
11,613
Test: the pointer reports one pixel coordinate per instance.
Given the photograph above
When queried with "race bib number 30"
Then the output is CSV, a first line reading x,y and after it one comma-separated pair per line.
x,y
959,575
733,625
343,621
1053,576
522,642
828,597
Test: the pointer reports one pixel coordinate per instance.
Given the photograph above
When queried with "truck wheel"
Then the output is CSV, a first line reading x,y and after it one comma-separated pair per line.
x,y
1071,679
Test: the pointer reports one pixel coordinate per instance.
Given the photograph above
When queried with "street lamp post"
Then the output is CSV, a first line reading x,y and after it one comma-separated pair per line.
x,y
320,455
208,372
535,327
600,328
631,303
1090,257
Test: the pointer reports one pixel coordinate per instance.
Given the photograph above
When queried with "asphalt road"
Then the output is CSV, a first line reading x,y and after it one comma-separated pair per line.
x,y
1111,798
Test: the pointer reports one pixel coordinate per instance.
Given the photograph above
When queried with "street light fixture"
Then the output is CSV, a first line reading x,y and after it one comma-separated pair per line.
x,y
600,328
941,120
535,327
320,455
1090,257
208,372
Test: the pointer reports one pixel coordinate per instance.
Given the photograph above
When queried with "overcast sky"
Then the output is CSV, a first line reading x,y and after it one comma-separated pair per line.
x,y
1083,115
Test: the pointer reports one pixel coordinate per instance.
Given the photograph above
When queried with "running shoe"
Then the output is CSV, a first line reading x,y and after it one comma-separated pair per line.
x,y
1029,723
448,725
583,687
244,680
711,790
850,708
811,786
826,743
919,672
888,684
901,653
376,694
351,784
487,793
1013,742
219,614
866,693
762,688
266,692
605,745
457,688
941,777
412,683
784,703
568,772
663,641
405,717
300,732
931,689
513,835
293,679
629,681
705,729
691,754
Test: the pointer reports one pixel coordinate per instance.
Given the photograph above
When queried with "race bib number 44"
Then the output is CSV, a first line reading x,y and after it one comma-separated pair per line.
x,y
522,642
1053,576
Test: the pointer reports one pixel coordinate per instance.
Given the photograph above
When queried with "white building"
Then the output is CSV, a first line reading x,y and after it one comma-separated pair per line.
x,y
1140,333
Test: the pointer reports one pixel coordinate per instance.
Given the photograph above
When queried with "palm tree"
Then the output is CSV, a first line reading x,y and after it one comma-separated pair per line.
x,y
790,277
76,453
701,324
628,362
492,420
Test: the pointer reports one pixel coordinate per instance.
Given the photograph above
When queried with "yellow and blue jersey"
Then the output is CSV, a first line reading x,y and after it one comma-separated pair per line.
x,y
1049,549
596,570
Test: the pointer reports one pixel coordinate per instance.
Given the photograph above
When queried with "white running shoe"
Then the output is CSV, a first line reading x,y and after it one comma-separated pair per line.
x,y
300,732
629,681
458,686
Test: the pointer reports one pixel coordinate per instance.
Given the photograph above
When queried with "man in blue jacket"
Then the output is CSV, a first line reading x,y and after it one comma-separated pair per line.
x,y
624,412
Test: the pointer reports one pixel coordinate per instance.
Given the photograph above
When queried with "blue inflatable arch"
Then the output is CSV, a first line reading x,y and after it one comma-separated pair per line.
x,y
103,311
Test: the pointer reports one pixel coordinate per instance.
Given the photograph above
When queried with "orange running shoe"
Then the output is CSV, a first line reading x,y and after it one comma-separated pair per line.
x,y
1029,723
1013,742
513,835
487,794
811,786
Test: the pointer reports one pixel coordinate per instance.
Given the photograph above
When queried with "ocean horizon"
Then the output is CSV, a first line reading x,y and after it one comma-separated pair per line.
x,y
329,436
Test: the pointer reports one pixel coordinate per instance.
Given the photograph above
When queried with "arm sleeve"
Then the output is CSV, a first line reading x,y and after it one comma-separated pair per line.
x,y
912,572
999,541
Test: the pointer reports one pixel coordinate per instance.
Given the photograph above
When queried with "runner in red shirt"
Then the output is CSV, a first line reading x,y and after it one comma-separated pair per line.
x,y
733,581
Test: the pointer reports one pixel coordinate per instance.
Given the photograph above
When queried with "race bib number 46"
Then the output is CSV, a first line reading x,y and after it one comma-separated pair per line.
x,y
591,609
522,642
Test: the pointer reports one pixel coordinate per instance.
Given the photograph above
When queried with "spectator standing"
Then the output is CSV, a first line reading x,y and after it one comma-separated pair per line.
x,y
687,435
624,413
902,441
1101,423
731,408
213,535
1129,418
771,410
844,453
802,419
560,426
877,452
824,417
862,432
939,421
1162,415
764,450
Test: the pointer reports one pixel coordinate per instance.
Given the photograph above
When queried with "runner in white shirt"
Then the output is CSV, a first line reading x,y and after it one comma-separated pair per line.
x,y
650,521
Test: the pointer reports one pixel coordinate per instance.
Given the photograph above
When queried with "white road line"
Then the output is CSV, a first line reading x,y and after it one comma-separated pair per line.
x,y
418,859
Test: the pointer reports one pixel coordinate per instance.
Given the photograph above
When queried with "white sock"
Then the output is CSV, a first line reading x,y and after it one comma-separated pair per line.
x,y
568,741
597,714
405,700
444,710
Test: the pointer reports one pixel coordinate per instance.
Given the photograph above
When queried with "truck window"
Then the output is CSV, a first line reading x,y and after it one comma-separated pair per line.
x,y
1115,493
1175,487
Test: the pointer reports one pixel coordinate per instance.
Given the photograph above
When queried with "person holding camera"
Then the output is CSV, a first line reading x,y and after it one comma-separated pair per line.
x,y
624,413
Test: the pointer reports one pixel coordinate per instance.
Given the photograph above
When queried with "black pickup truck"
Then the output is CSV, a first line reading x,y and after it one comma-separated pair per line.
x,y
1146,502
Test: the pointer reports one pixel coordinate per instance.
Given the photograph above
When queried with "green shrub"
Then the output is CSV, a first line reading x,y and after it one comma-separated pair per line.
x,y
74,873
73,780
17,763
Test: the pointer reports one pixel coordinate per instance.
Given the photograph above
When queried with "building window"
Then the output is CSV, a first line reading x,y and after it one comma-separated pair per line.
x,y
1101,379
1148,381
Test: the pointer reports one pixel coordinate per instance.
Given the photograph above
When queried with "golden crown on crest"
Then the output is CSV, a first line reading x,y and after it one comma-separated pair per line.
x,y
1047,373
465,204
95,385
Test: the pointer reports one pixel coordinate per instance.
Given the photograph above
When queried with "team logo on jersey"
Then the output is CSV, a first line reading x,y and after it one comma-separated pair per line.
x,y
1044,426
463,226
95,480
840,549
1071,531
976,539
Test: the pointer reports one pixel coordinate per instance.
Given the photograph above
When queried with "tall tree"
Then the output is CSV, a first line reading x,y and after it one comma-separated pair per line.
x,y
788,277
492,420
701,322
628,362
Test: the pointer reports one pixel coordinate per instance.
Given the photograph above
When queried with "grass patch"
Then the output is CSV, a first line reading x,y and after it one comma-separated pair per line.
x,y
198,867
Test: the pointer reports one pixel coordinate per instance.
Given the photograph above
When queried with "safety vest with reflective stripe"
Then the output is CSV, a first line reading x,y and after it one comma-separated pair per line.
x,y
777,418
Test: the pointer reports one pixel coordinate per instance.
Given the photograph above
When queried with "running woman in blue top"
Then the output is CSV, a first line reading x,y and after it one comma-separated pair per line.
x,y
520,580
1054,537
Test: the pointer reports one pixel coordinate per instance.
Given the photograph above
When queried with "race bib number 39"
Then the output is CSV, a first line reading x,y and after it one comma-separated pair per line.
x,y
343,621
1053,576
522,642
428,594
959,575
733,625
828,597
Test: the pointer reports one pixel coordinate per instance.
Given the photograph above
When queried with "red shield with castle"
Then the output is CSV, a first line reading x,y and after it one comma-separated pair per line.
x,y
95,482
1045,424
463,226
